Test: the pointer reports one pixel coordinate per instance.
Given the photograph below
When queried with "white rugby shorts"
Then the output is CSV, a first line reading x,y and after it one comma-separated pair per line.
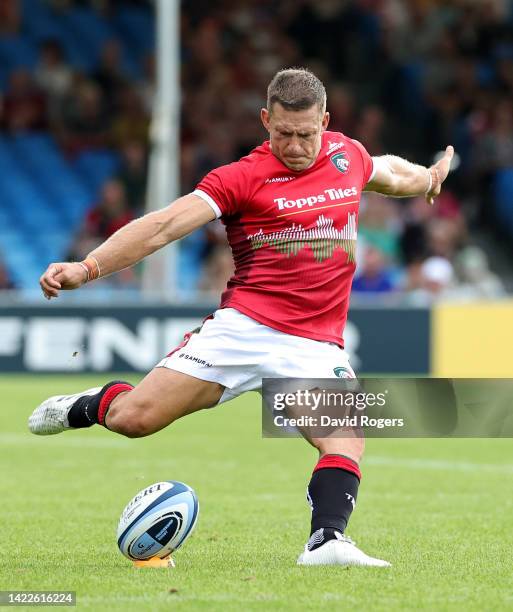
x,y
237,352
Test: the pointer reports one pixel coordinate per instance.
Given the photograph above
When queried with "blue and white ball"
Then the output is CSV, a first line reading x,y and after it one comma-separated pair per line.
x,y
157,520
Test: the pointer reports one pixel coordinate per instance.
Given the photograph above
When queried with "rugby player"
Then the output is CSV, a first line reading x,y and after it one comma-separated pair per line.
x,y
290,209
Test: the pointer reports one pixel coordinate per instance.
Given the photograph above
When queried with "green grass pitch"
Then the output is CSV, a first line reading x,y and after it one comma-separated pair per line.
x,y
439,510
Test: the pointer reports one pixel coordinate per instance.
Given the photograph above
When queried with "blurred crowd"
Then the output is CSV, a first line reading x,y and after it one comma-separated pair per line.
x,y
104,110
403,77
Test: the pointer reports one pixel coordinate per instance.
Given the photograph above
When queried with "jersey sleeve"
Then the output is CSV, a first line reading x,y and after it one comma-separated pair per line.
x,y
368,164
224,189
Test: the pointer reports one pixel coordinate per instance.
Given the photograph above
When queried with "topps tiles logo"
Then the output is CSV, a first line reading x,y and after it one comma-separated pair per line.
x,y
328,195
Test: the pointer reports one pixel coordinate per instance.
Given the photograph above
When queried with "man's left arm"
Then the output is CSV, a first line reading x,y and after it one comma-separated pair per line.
x,y
397,177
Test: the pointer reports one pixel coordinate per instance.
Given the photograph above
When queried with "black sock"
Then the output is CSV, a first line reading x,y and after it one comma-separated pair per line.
x,y
332,495
84,411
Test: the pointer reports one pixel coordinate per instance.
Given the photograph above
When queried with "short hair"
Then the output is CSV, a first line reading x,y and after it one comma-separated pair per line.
x,y
296,89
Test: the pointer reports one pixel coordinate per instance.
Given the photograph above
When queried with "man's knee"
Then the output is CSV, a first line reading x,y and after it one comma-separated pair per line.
x,y
131,418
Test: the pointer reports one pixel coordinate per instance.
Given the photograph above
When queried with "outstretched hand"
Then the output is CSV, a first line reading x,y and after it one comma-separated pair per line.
x,y
439,173
60,276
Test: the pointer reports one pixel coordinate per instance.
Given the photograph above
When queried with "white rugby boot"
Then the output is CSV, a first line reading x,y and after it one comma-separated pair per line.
x,y
51,417
339,551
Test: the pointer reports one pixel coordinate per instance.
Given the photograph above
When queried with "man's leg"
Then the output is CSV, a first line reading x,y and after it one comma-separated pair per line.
x,y
333,487
163,396
332,494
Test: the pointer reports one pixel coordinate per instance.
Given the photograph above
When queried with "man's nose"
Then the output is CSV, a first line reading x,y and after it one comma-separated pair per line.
x,y
294,147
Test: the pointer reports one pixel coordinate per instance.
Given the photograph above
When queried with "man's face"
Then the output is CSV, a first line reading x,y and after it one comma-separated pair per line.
x,y
295,135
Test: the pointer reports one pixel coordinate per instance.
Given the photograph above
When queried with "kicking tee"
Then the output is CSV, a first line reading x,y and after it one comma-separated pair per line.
x,y
292,235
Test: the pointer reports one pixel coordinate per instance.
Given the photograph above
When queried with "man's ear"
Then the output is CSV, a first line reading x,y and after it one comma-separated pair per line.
x,y
325,121
264,116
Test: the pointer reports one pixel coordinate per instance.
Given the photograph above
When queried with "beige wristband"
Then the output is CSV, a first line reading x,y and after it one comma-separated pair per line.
x,y
430,181
92,266
434,180
80,263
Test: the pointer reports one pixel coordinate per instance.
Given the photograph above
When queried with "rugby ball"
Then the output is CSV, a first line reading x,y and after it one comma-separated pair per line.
x,y
157,520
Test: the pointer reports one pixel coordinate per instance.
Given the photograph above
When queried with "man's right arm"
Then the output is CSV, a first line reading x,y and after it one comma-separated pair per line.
x,y
397,177
131,243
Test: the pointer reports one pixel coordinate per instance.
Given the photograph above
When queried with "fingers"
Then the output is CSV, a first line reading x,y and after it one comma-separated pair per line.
x,y
49,292
51,275
430,197
445,161
60,278
441,168
49,283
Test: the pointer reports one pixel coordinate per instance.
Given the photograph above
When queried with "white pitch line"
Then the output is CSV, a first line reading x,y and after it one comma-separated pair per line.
x,y
68,440
439,464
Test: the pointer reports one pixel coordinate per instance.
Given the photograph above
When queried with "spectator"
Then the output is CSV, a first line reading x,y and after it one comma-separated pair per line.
x,y
375,277
413,238
370,130
105,218
109,75
434,281
495,148
110,214
131,122
379,224
217,149
87,124
53,76
426,227
443,238
146,87
342,105
133,176
24,105
477,281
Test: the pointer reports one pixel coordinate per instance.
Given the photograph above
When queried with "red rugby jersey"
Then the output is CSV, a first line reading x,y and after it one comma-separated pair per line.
x,y
292,235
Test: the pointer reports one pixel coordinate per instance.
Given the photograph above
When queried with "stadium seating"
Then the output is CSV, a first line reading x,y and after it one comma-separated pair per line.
x,y
36,211
94,167
46,193
43,195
